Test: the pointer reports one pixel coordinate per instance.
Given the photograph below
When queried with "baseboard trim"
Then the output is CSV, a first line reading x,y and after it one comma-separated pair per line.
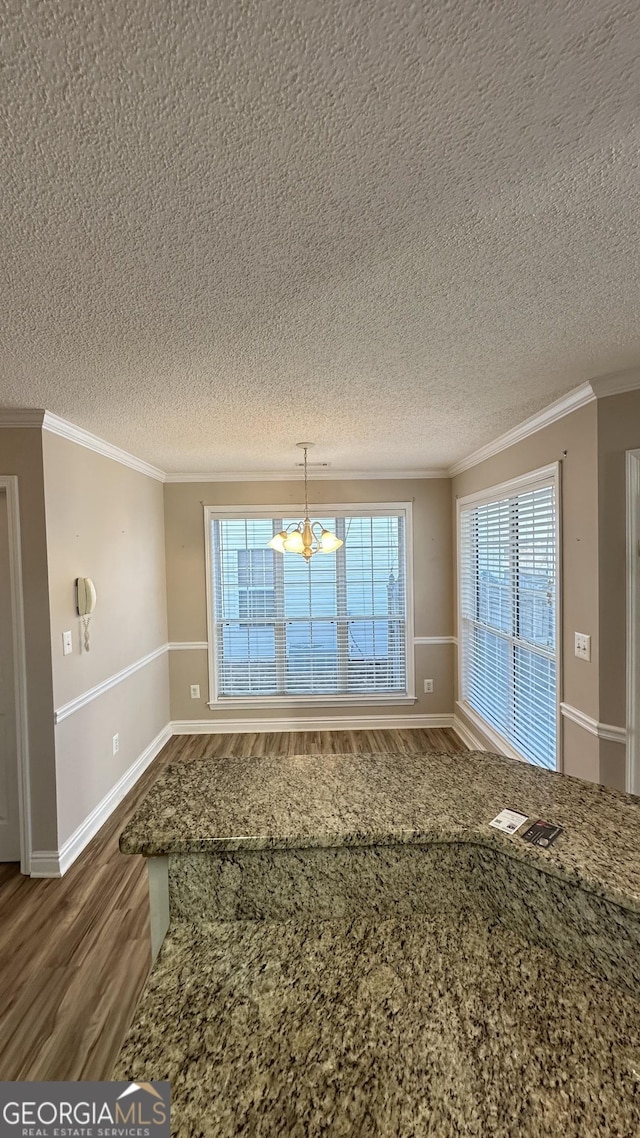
x,y
496,742
473,742
45,863
55,863
308,723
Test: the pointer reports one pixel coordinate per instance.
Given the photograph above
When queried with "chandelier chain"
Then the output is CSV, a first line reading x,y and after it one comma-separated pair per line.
x,y
305,538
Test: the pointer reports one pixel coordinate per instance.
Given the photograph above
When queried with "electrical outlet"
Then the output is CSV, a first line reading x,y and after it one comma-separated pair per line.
x,y
116,743
67,646
428,686
582,646
195,691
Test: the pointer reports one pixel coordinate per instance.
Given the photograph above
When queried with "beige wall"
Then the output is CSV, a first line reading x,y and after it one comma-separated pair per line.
x,y
82,514
573,442
138,709
104,521
186,598
618,431
21,455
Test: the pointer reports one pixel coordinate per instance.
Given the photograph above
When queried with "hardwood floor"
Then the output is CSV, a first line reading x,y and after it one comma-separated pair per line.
x,y
75,952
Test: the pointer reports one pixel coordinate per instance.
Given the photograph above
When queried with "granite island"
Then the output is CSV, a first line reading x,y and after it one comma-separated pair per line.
x,y
352,949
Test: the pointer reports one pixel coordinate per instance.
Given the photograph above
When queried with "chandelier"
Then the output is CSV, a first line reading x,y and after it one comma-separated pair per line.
x,y
305,538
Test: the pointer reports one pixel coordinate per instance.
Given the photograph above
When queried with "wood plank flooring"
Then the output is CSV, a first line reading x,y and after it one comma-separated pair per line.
x,y
75,952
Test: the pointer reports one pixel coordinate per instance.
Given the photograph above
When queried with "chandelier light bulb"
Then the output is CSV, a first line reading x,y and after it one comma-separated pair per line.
x,y
293,542
329,542
278,541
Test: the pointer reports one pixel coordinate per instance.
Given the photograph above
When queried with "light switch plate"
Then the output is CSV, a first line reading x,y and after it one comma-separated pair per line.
x,y
67,646
582,646
195,691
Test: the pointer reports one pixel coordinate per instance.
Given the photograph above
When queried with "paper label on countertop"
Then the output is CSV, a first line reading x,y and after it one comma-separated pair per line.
x,y
541,833
508,821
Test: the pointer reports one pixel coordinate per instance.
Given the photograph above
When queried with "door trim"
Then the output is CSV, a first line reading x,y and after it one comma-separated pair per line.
x,y
9,483
633,618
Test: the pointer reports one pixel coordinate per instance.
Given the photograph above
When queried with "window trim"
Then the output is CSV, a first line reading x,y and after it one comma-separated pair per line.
x,y
543,476
319,509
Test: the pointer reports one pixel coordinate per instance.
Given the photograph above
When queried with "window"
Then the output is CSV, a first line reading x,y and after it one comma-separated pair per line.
x,y
256,592
332,630
508,613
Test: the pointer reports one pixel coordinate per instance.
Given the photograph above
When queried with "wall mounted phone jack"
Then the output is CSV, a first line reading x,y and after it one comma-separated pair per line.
x,y
85,604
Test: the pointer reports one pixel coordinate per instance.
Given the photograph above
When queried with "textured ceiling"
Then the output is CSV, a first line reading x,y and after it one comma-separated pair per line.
x,y
394,228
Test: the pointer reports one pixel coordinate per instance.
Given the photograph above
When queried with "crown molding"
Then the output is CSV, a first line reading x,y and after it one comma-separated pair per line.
x,y
600,387
579,397
21,417
617,383
66,430
293,475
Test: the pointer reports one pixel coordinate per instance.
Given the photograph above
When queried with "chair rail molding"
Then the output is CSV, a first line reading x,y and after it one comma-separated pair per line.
x,y
601,730
86,697
435,640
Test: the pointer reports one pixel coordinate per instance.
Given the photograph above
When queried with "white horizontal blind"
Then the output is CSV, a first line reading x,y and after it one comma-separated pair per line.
x,y
335,626
508,582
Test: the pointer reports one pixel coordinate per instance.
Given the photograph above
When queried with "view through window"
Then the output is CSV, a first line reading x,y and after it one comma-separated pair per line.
x,y
508,585
334,627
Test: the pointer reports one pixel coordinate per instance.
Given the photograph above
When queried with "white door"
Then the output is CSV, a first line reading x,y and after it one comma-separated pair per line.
x,y
9,812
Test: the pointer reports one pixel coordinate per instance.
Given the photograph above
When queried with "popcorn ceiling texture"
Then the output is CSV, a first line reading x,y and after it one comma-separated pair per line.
x,y
397,229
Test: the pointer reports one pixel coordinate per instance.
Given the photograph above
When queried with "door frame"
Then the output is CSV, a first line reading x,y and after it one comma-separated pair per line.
x,y
9,483
633,620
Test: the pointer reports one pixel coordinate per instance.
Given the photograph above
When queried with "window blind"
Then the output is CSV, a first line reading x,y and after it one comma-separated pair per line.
x,y
335,626
508,597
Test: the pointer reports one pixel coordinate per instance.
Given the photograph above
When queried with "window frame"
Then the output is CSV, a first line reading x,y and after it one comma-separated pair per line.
x,y
524,483
320,509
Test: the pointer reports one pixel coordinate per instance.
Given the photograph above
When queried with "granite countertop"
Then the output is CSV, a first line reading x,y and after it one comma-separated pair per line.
x,y
270,802
418,1028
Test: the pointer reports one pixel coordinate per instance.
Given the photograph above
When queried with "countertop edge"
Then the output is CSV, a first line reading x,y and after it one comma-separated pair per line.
x,y
494,841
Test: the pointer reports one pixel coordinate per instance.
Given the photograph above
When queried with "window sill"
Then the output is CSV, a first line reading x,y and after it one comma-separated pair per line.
x,y
316,701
